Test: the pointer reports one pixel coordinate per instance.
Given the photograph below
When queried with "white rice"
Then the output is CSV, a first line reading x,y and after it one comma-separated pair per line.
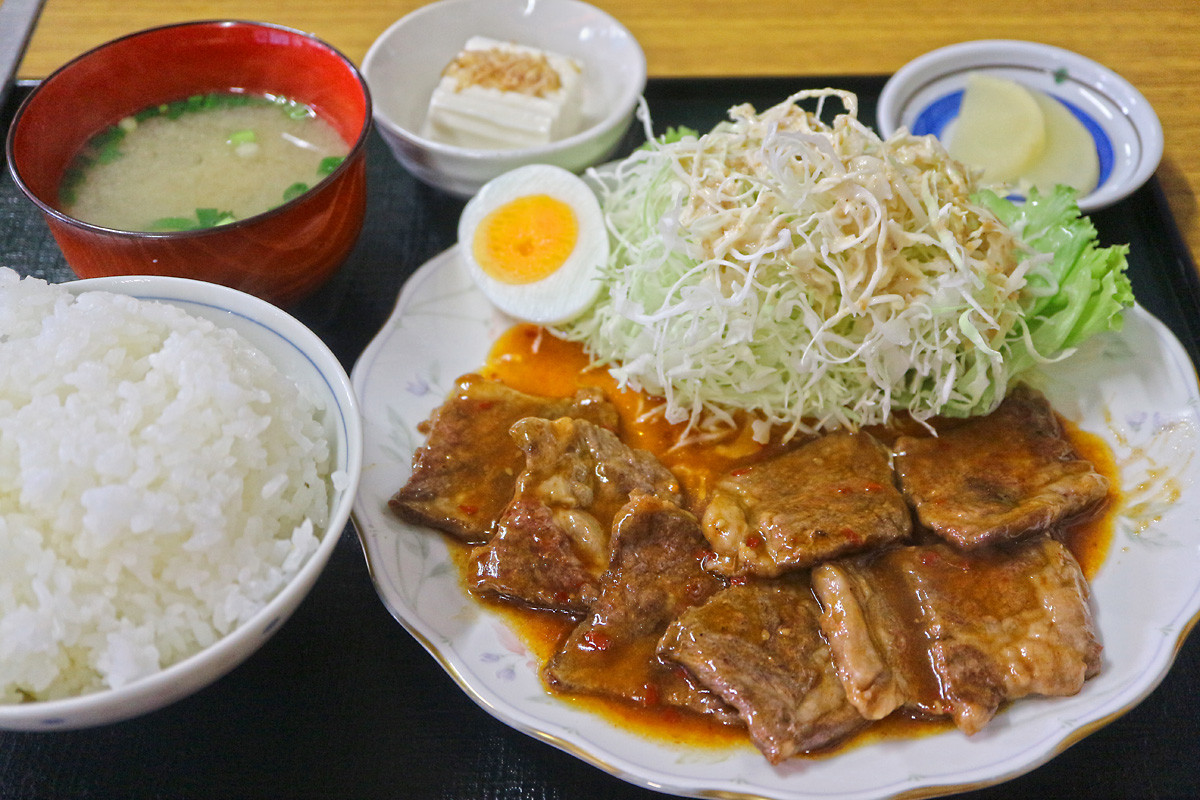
x,y
160,482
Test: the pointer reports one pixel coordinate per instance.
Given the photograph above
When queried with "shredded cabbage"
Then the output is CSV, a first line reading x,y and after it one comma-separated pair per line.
x,y
810,274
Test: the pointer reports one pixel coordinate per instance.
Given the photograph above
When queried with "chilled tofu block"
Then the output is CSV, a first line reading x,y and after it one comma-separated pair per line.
x,y
502,95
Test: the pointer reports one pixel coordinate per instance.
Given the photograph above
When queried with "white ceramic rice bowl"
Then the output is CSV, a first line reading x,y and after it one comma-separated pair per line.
x,y
301,355
404,64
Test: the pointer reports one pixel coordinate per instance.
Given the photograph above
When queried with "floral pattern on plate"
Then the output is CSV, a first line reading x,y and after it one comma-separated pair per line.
x,y
1136,390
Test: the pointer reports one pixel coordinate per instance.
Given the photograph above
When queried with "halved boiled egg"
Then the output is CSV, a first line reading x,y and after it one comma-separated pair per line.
x,y
534,240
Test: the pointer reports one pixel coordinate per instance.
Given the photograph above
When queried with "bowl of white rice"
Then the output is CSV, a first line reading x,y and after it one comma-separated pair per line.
x,y
177,463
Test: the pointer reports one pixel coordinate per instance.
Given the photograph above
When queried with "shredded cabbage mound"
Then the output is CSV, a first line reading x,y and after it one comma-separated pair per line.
x,y
810,274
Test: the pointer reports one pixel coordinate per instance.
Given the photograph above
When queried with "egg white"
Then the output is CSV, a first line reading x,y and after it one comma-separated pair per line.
x,y
569,290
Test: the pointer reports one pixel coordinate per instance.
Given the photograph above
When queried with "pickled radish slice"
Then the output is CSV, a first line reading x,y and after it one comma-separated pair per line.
x,y
1070,155
1001,128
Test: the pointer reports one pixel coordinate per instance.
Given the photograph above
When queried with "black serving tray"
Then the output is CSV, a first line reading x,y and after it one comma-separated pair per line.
x,y
343,703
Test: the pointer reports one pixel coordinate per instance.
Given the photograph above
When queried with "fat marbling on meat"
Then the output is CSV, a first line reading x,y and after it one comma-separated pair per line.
x,y
552,542
940,631
997,477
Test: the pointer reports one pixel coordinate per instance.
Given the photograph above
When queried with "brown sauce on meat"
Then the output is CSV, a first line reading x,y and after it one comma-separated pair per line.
x,y
543,633
528,359
531,360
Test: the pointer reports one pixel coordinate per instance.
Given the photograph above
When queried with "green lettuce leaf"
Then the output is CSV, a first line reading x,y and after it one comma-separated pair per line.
x,y
672,134
1082,291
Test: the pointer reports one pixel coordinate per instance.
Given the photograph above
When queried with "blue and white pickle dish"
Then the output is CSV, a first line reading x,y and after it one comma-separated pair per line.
x,y
926,94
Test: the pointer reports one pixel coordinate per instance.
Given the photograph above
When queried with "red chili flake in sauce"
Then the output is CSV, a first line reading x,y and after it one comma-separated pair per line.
x,y
737,473
484,405
468,509
671,715
649,696
738,580
596,640
851,535
870,487
754,540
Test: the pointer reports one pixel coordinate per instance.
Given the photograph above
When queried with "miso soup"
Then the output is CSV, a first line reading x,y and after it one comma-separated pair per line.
x,y
199,162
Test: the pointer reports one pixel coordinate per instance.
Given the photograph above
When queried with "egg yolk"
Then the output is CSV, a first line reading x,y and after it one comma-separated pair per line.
x,y
526,239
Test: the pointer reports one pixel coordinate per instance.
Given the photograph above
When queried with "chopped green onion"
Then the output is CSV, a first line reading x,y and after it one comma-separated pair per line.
x,y
173,224
245,136
205,218
211,217
329,164
107,144
295,190
298,111
109,154
107,136
70,182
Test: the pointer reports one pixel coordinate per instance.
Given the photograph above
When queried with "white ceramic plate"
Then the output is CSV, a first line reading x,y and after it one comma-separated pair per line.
x,y
1137,390
925,94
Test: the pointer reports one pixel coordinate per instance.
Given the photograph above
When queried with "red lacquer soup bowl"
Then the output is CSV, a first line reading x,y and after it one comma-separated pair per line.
x,y
280,255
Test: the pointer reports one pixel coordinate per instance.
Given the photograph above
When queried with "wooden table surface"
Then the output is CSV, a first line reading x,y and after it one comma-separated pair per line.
x,y
1155,44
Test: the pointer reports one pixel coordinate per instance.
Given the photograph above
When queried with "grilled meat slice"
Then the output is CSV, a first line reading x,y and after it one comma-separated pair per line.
x,y
998,477
939,631
465,473
759,647
830,496
552,542
655,574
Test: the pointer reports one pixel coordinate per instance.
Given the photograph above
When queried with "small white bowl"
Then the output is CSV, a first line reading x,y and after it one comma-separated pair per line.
x,y
404,64
924,97
301,355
